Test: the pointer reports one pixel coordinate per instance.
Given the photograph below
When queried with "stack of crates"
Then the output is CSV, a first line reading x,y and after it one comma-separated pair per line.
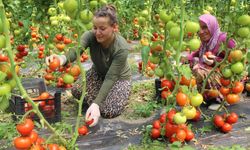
x,y
50,108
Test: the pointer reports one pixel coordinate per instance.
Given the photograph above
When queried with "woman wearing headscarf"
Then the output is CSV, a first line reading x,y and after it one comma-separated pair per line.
x,y
203,60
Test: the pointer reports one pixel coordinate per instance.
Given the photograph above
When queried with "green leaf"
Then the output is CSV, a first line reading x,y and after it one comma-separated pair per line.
x,y
2,76
144,55
186,71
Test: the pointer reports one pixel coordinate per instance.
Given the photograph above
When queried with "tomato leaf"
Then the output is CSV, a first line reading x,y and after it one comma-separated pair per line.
x,y
2,76
144,55
186,71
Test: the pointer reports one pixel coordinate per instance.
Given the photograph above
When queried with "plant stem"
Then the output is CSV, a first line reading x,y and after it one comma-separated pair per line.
x,y
213,69
21,88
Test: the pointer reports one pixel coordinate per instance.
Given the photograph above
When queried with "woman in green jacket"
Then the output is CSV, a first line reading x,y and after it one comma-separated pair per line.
x,y
109,79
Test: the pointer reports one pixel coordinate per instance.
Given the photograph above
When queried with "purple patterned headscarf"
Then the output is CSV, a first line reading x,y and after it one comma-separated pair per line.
x,y
213,28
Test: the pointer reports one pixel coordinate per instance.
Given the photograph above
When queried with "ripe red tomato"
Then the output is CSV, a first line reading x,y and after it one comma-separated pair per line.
x,y
54,64
232,98
232,118
218,121
170,115
189,135
180,135
33,136
22,143
155,133
197,116
167,84
26,127
157,124
181,99
59,37
225,82
89,122
44,95
53,147
83,130
238,87
163,117
224,91
226,128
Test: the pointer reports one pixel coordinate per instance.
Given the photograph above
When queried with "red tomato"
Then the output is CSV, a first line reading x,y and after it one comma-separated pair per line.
x,y
218,121
59,37
33,136
54,64
238,87
167,85
26,127
197,116
180,135
232,118
163,117
22,143
224,82
189,135
53,147
89,122
83,130
170,115
226,128
155,133
157,124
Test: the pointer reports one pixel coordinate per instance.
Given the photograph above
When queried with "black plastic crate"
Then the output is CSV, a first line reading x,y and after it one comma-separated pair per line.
x,y
157,90
50,108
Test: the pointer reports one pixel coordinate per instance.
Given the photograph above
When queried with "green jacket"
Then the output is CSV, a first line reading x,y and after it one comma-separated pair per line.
x,y
110,63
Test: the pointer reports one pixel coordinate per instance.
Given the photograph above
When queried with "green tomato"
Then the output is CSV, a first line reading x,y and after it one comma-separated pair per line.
x,y
196,100
227,73
70,5
164,16
144,13
192,27
68,79
189,111
86,16
243,32
170,24
174,33
12,83
93,4
243,20
237,67
52,11
5,89
194,44
159,72
180,118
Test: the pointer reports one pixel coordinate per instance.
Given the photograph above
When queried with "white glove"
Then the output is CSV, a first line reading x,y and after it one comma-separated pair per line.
x,y
208,61
50,58
93,112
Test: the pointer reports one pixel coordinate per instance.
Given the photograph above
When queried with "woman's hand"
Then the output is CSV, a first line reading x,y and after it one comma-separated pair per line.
x,y
50,58
209,60
93,112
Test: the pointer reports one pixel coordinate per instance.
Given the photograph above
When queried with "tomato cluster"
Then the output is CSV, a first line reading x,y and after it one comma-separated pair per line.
x,y
29,138
231,91
46,105
65,76
166,127
224,122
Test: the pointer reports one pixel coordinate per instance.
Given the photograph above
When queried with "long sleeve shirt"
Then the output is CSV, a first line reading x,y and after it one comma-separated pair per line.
x,y
110,63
